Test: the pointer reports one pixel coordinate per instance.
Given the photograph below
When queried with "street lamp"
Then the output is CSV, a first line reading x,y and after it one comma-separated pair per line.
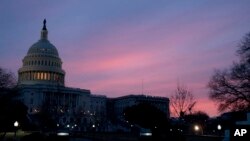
x,y
16,124
219,127
198,129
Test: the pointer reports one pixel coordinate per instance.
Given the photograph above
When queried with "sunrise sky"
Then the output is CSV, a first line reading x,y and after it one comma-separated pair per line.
x,y
111,47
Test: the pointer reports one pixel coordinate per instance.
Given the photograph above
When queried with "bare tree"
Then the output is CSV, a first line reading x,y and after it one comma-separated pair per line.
x,y
182,101
7,79
230,88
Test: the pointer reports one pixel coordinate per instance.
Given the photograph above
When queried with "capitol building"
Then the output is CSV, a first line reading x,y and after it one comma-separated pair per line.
x,y
42,88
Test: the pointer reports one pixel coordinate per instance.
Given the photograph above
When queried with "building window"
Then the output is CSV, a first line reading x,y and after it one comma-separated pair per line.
x,y
55,77
42,76
34,75
45,76
28,75
49,76
31,75
38,75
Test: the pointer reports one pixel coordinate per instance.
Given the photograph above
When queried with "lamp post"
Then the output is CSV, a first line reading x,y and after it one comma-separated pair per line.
x,y
219,127
94,129
16,124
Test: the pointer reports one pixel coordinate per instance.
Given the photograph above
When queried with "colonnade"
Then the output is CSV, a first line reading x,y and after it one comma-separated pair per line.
x,y
41,75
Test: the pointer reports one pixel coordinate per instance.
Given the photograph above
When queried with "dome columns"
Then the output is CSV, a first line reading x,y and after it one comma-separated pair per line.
x,y
41,76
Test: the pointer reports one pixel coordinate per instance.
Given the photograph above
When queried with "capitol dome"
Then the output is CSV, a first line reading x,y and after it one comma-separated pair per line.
x,y
42,64
43,47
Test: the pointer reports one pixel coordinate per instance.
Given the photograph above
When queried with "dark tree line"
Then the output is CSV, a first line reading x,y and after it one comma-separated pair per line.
x,y
146,116
230,88
7,80
11,109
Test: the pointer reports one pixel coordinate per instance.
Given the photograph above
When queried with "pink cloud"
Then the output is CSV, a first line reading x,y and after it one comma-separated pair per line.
x,y
207,106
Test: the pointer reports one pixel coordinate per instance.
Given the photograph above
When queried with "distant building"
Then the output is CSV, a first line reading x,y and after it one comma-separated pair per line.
x,y
41,84
121,103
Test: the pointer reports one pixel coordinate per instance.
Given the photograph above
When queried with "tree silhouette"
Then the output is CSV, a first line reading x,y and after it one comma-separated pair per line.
x,y
182,101
7,79
230,88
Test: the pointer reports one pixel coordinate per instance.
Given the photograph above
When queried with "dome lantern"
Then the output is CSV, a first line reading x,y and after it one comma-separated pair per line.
x,y
44,32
